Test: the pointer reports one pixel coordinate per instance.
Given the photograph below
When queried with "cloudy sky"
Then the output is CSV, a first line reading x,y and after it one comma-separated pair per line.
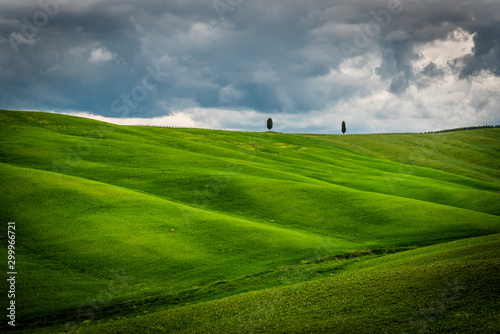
x,y
380,65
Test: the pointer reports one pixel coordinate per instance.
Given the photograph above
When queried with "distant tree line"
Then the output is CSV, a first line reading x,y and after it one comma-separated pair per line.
x,y
467,128
270,126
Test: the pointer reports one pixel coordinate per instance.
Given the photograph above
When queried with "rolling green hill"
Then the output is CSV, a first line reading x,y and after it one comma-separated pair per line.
x,y
136,229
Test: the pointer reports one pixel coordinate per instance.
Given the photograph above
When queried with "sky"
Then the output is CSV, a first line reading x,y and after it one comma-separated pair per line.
x,y
379,65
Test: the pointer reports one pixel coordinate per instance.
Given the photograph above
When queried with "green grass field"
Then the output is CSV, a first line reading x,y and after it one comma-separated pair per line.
x,y
123,229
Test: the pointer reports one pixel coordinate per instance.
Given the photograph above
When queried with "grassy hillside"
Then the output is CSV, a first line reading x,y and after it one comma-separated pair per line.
x,y
120,222
452,286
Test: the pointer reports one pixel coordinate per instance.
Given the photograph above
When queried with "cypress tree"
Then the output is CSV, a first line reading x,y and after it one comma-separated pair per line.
x,y
269,123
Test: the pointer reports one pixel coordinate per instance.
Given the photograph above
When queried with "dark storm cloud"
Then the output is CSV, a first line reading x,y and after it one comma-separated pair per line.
x,y
431,70
486,53
240,54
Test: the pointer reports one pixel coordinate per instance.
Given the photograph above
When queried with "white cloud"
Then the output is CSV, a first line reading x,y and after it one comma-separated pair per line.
x,y
101,55
175,120
18,38
441,52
